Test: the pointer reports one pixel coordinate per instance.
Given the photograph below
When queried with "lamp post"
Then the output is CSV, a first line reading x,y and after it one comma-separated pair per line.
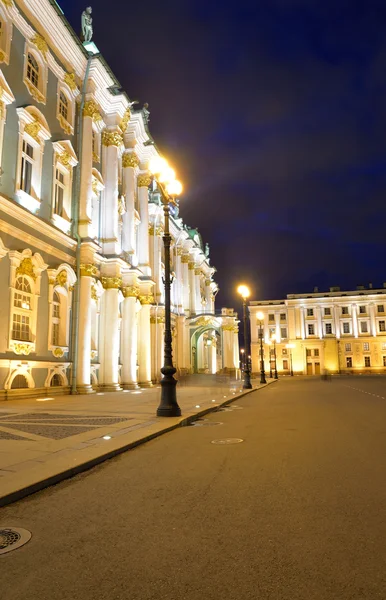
x,y
244,292
169,188
242,358
270,363
290,346
274,357
260,318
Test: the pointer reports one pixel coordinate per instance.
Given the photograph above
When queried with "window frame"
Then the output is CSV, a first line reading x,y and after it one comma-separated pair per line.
x,y
309,325
39,91
6,38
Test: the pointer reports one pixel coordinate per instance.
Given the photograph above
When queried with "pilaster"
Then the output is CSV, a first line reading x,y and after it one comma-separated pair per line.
x,y
143,181
111,143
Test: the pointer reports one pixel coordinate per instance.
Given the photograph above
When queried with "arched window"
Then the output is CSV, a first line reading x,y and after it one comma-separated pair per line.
x,y
22,302
55,319
56,380
33,70
19,382
63,105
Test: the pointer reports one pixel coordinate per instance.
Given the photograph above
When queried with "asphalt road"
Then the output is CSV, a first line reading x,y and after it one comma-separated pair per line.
x,y
297,511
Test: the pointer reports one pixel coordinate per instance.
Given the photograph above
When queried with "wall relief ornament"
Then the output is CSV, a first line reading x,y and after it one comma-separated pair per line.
x,y
146,299
2,56
64,158
35,93
130,291
91,109
69,78
58,352
93,293
111,138
125,121
230,327
95,157
7,3
22,348
191,266
185,259
88,270
40,43
144,180
61,278
33,129
111,282
130,159
64,125
204,321
26,268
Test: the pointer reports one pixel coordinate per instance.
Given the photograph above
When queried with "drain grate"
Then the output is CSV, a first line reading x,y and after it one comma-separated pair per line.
x,y
13,538
227,441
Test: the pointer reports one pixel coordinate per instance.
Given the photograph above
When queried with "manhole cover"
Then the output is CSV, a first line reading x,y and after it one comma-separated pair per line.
x,y
206,423
227,441
11,539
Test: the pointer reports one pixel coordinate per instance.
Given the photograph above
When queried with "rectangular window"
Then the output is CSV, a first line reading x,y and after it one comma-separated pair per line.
x,y
21,328
366,346
22,301
348,347
311,329
327,312
55,334
367,361
27,161
383,346
271,317
316,352
310,312
362,310
272,331
364,328
60,186
381,308
308,352
344,310
328,329
382,325
283,316
285,365
348,362
384,361
346,327
283,332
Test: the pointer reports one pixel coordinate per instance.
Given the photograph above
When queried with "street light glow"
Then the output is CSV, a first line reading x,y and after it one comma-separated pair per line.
x,y
260,316
167,175
174,188
157,165
243,290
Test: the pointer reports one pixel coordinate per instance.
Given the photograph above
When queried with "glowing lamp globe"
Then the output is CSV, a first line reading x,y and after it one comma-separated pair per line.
x,y
167,175
174,188
243,290
157,165
260,316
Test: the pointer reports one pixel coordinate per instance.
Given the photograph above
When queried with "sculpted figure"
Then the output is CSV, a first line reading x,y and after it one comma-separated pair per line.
x,y
87,24
146,113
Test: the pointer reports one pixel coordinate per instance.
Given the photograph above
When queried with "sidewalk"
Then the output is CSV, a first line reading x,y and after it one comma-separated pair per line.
x,y
46,440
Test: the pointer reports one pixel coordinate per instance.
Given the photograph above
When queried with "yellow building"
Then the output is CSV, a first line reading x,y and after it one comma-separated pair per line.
x,y
335,331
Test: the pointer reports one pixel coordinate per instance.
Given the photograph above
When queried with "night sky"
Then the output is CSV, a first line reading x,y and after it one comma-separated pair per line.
x,y
273,113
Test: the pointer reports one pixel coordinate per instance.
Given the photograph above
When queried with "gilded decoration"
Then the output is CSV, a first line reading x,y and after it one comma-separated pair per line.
x,y
191,266
93,293
157,320
64,124
51,280
111,282
95,157
146,299
22,348
69,78
185,259
151,229
130,291
61,278
179,251
7,3
130,159
197,271
33,129
111,138
64,158
94,185
125,121
35,93
58,352
207,282
40,43
88,270
159,231
93,354
2,55
230,327
144,180
204,321
91,110
26,268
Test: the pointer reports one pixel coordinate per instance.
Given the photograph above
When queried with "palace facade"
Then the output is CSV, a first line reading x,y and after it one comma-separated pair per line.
x,y
336,331
81,224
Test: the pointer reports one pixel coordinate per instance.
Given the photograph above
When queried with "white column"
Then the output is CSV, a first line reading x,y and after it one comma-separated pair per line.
x,y
83,384
197,283
129,338
354,320
185,277
302,323
372,319
129,162
337,322
319,320
111,141
227,346
86,172
277,327
109,371
144,181
144,341
192,288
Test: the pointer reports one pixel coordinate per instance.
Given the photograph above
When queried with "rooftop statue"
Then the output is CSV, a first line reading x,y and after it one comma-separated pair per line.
x,y
87,24
146,113
206,250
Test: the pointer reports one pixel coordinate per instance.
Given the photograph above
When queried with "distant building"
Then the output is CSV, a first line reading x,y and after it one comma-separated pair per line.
x,y
337,331
81,224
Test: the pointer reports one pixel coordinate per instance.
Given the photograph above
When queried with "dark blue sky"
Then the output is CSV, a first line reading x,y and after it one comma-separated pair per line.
x,y
274,115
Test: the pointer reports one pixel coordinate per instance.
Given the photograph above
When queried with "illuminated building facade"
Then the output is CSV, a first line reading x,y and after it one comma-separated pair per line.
x,y
337,331
81,223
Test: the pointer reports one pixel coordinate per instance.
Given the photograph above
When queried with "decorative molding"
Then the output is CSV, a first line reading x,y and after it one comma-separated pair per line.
x,y
197,271
35,93
40,43
65,125
111,282
88,270
146,299
157,320
151,229
229,327
207,282
144,180
58,352
65,159
7,3
125,121
112,138
179,251
61,278
69,79
22,347
185,259
204,321
191,266
33,129
91,109
130,291
130,159
26,268
95,157
94,293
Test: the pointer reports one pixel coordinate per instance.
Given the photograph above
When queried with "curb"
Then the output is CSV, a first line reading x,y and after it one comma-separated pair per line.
x,y
67,473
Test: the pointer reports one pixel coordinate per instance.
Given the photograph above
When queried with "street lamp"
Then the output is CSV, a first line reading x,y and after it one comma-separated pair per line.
x,y
169,188
242,358
260,317
245,293
290,346
273,340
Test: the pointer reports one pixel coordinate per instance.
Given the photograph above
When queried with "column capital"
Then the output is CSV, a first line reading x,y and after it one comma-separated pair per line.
x,y
146,299
111,282
207,282
130,159
144,180
185,259
179,251
191,266
111,138
197,271
88,270
130,291
91,109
